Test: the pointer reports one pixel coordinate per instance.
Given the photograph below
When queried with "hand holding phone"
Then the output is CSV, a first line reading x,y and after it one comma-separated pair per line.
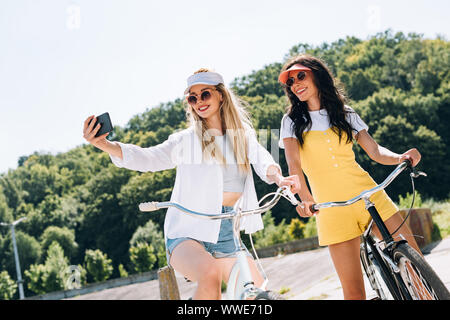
x,y
95,132
105,124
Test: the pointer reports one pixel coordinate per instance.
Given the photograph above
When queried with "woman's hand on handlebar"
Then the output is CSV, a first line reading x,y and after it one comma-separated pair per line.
x,y
304,210
413,155
291,181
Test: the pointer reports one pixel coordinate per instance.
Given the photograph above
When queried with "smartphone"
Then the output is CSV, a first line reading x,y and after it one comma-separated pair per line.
x,y
105,124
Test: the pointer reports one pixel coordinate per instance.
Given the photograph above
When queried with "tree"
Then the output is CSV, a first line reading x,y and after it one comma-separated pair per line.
x,y
296,228
142,257
8,286
29,250
64,236
50,276
98,266
150,234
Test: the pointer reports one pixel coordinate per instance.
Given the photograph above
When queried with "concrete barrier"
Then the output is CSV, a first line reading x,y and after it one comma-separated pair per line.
x,y
113,283
288,247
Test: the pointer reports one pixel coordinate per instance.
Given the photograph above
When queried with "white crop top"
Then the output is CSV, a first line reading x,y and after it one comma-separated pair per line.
x,y
233,180
320,122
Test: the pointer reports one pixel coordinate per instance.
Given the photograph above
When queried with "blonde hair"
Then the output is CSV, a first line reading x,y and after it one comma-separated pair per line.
x,y
234,117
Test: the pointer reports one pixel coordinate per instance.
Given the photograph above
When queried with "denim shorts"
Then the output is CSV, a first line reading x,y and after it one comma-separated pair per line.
x,y
224,248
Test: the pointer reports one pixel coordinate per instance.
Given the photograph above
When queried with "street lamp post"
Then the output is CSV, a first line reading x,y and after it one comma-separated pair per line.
x,y
16,254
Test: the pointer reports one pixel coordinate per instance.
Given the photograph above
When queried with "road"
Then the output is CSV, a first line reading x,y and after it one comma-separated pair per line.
x,y
307,275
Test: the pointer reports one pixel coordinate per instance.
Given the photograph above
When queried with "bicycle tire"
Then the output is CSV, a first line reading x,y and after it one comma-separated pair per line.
x,y
269,295
414,267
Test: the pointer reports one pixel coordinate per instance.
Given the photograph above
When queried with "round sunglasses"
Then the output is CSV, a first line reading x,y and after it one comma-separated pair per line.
x,y
204,96
300,76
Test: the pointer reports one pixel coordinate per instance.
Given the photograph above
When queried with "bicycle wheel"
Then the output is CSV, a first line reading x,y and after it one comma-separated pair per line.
x,y
378,272
375,275
268,295
418,277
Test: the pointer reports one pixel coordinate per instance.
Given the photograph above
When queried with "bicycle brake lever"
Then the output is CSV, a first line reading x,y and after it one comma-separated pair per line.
x,y
416,173
291,197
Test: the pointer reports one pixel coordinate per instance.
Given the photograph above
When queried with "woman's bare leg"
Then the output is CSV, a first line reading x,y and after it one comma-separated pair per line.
x,y
346,260
206,270
192,260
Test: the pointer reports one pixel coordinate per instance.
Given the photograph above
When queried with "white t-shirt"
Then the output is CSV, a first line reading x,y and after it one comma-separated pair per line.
x,y
320,122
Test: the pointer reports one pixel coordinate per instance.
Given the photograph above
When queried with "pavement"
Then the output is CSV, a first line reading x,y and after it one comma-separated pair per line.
x,y
307,275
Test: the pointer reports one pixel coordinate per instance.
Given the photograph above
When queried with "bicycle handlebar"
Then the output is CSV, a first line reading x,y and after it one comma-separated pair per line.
x,y
281,192
367,193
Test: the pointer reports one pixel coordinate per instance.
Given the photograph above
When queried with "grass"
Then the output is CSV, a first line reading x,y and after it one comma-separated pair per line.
x,y
440,212
284,290
321,297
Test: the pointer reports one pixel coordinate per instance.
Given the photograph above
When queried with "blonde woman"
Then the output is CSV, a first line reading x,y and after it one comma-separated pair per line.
x,y
213,158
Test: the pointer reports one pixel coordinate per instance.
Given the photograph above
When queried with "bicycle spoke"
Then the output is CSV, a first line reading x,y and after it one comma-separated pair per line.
x,y
417,285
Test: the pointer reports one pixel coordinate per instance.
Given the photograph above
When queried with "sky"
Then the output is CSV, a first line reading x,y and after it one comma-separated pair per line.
x,y
62,61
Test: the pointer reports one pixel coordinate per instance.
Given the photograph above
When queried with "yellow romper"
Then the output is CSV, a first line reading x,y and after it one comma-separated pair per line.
x,y
334,175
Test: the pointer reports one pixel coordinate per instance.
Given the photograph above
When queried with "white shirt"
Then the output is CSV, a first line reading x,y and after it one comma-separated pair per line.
x,y
320,122
198,183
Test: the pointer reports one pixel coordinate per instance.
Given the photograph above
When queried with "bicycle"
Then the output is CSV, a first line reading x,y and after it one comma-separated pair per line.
x,y
394,269
240,285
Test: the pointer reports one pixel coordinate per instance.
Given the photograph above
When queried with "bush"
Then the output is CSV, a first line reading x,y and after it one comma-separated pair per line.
x,y
50,276
64,236
142,257
150,234
405,203
98,266
296,229
310,228
271,234
8,286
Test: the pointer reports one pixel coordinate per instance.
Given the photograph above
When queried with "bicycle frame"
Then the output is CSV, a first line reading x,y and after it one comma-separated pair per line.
x,y
240,284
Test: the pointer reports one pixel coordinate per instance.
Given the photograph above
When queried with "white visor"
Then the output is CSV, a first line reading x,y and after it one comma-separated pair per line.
x,y
211,78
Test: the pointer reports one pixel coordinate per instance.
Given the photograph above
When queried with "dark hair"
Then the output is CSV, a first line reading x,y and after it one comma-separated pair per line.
x,y
332,99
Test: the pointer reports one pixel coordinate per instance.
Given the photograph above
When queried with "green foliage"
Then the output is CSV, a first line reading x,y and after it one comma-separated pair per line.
x,y
98,266
28,248
310,228
142,257
8,286
64,236
399,84
296,229
271,234
405,202
122,271
50,276
151,234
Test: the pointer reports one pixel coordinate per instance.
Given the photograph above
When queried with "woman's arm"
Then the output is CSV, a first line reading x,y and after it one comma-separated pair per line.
x,y
383,155
291,151
291,147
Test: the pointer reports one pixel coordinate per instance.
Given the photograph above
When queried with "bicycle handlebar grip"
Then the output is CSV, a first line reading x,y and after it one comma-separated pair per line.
x,y
408,162
148,206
